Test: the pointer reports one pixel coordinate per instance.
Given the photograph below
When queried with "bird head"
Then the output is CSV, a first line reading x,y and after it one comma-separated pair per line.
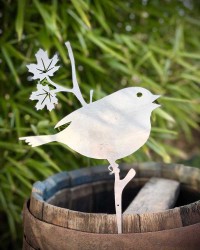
x,y
142,97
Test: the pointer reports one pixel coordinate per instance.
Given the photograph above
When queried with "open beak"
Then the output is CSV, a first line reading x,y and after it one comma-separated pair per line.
x,y
155,102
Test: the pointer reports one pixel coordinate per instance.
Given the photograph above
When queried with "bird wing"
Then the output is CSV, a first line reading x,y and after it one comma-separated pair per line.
x,y
107,105
67,119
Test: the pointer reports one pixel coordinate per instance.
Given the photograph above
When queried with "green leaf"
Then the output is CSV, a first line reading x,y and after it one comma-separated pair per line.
x,y
19,24
46,158
92,63
156,65
48,18
104,47
163,131
81,7
160,112
174,99
16,53
159,149
10,64
77,18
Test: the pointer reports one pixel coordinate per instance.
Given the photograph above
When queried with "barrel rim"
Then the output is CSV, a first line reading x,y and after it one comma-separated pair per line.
x,y
38,197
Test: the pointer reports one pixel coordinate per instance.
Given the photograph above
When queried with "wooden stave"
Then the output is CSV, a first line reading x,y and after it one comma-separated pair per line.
x,y
106,223
42,235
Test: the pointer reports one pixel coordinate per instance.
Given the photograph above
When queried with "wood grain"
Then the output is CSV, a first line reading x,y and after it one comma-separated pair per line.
x,y
152,222
105,223
156,195
26,245
36,205
81,198
42,235
55,215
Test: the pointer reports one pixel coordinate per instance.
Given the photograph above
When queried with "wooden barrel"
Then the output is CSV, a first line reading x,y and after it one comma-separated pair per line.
x,y
75,210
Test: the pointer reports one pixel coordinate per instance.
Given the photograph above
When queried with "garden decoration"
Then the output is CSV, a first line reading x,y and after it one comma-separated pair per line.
x,y
110,128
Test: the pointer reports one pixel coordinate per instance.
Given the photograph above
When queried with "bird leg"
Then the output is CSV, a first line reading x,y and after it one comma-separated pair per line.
x,y
118,188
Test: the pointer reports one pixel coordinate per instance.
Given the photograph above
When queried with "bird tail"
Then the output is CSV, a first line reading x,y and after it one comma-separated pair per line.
x,y
35,141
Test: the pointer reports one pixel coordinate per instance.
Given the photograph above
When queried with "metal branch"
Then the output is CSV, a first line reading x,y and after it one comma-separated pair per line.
x,y
118,189
58,87
75,90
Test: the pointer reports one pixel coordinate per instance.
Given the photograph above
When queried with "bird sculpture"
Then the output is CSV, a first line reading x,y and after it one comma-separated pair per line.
x,y
110,128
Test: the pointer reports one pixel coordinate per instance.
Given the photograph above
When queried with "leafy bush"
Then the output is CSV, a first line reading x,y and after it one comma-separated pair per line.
x,y
116,44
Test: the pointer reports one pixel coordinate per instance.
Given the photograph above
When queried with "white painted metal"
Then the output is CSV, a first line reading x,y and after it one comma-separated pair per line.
x,y
110,128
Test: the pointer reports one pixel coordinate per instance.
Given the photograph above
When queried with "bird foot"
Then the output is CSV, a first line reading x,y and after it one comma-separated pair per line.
x,y
113,169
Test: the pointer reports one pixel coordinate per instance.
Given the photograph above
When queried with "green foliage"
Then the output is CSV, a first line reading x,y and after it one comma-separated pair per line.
x,y
116,44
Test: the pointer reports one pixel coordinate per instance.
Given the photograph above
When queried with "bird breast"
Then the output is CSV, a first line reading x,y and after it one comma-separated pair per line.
x,y
110,135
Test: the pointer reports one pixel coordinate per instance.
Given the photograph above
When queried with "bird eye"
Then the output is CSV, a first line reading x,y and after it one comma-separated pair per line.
x,y
139,94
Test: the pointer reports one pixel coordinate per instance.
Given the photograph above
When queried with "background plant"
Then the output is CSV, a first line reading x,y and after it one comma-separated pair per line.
x,y
116,44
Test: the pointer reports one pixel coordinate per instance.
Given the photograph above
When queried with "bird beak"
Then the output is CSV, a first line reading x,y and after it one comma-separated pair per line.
x,y
155,103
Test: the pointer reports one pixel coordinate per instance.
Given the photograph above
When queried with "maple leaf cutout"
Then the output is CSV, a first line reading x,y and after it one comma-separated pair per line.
x,y
44,67
45,96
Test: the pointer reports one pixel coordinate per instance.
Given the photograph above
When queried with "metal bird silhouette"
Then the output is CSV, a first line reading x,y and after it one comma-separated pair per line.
x,y
110,128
